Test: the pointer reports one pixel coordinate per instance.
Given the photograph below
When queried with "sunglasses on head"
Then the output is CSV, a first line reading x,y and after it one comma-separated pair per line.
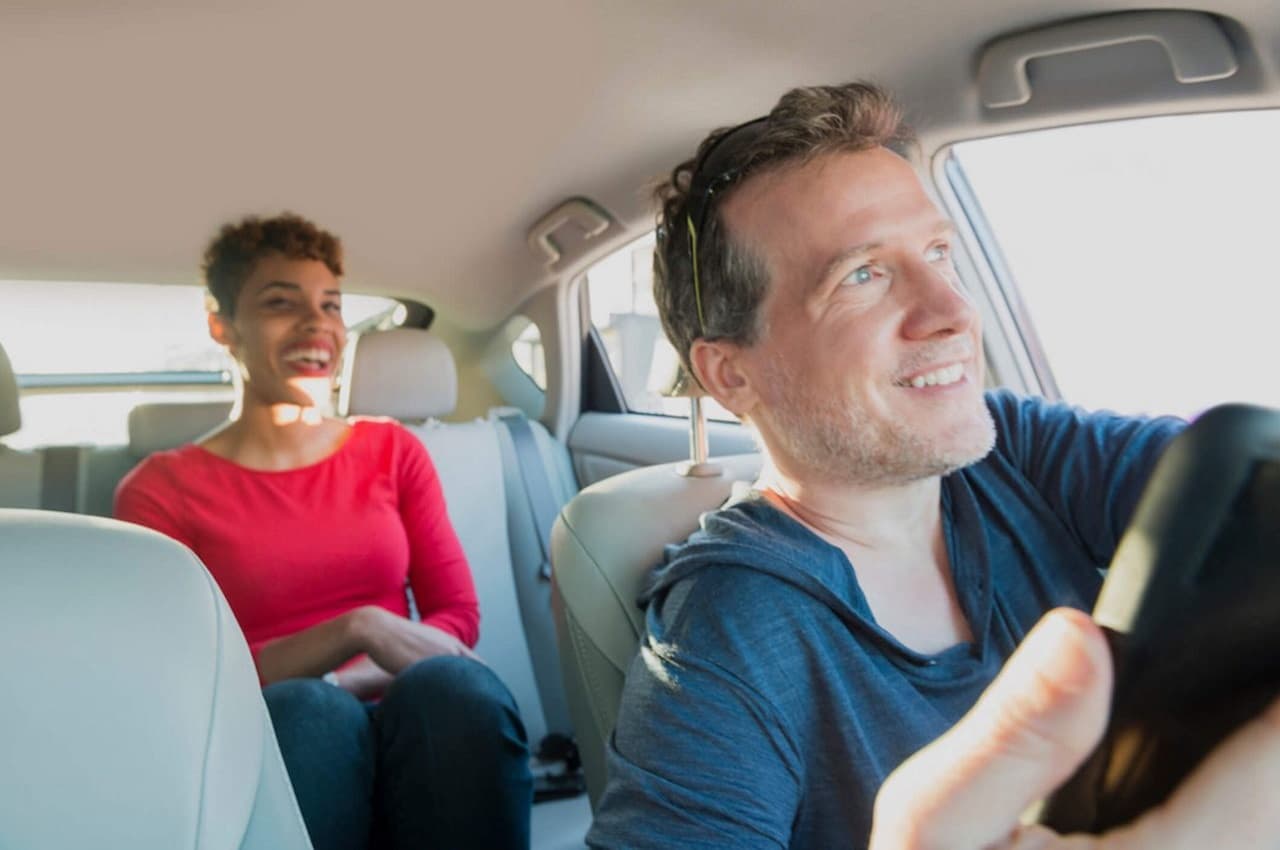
x,y
712,175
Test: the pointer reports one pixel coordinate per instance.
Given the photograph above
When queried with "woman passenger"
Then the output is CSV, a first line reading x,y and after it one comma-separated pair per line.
x,y
394,734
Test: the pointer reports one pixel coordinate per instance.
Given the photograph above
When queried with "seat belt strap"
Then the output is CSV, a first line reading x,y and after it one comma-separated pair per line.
x,y
537,487
60,478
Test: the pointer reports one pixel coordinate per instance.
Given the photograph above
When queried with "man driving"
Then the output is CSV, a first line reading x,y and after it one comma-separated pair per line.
x,y
907,533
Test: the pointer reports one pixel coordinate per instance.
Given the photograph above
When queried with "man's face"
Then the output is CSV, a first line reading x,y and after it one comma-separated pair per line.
x,y
869,368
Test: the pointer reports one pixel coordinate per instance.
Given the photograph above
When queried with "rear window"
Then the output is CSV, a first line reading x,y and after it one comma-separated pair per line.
x,y
643,361
86,353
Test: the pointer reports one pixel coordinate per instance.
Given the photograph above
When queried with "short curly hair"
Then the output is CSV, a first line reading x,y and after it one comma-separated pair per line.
x,y
732,279
239,245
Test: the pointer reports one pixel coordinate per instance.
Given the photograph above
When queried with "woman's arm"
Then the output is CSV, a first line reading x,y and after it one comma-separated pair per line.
x,y
391,642
313,651
438,571
395,643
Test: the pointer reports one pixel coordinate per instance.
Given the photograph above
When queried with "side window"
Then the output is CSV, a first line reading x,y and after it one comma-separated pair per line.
x,y
1142,254
85,354
526,350
620,292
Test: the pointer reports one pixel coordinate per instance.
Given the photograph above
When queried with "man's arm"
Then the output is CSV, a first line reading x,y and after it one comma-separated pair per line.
x,y
1090,467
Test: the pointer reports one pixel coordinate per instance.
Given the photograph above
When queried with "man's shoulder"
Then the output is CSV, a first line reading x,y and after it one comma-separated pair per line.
x,y
745,543
749,582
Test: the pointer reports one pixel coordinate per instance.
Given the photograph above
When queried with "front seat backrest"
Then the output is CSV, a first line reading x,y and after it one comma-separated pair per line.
x,y
20,471
132,716
10,413
603,546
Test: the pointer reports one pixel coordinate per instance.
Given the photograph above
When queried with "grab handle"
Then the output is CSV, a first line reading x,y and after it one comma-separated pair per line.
x,y
1198,49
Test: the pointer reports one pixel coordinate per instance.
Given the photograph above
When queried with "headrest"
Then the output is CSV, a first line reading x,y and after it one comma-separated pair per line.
x,y
10,413
147,729
405,373
164,425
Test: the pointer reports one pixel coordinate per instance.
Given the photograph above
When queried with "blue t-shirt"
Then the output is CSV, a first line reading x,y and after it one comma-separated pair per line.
x,y
766,705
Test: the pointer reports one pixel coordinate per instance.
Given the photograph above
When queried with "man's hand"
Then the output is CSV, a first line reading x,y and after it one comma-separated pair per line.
x,y
395,643
1035,724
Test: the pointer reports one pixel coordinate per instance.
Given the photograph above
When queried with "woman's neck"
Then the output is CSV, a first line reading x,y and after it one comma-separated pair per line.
x,y
277,436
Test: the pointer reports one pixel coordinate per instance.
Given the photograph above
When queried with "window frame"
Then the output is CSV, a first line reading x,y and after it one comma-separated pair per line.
x,y
1015,354
602,390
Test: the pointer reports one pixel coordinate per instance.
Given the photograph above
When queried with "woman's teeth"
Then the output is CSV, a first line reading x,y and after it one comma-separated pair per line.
x,y
318,356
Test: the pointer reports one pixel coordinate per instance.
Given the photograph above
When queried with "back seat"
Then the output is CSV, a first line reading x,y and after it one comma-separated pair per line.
x,y
83,479
56,478
20,471
410,375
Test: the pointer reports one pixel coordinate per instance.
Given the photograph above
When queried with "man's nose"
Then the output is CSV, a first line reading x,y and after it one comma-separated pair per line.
x,y
938,305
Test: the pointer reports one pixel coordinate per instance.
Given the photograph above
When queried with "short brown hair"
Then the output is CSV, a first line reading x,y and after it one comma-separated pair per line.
x,y
231,256
732,279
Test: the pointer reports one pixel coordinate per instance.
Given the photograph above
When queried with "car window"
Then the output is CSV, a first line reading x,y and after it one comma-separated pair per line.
x,y
527,351
85,354
620,291
1141,253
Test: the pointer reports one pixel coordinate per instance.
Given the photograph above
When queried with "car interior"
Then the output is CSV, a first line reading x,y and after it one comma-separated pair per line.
x,y
489,167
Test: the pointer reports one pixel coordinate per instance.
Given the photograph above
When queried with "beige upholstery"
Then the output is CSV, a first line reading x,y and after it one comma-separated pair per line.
x,y
416,380
405,373
20,471
132,717
10,414
164,425
603,546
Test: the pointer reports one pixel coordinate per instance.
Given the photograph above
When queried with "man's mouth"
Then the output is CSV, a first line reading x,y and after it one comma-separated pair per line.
x,y
936,378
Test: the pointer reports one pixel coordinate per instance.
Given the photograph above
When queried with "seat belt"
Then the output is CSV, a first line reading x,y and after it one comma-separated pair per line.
x,y
555,748
537,487
60,478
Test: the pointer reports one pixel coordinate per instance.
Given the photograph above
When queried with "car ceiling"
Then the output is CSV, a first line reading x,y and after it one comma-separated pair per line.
x,y
429,135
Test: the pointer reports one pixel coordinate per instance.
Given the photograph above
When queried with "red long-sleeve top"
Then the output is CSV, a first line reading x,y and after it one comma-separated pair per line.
x,y
293,548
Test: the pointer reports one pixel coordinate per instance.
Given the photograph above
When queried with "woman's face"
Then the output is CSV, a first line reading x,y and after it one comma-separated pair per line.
x,y
287,334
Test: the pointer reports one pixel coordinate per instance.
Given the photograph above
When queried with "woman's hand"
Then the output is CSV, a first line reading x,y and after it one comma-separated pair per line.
x,y
364,679
1036,723
394,642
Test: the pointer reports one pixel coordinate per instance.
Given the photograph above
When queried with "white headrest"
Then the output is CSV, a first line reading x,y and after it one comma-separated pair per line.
x,y
405,373
141,724
159,426
10,414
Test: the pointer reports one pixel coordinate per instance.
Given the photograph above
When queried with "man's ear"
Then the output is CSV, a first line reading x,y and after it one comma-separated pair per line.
x,y
222,331
719,367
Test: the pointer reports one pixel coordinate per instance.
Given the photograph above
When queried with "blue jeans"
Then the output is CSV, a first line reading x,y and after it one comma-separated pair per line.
x,y
440,762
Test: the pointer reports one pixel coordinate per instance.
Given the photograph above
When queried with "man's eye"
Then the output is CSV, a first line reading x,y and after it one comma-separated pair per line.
x,y
333,307
937,253
864,274
277,303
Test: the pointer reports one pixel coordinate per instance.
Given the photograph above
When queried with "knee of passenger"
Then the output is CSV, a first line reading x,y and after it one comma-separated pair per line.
x,y
308,698
460,686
